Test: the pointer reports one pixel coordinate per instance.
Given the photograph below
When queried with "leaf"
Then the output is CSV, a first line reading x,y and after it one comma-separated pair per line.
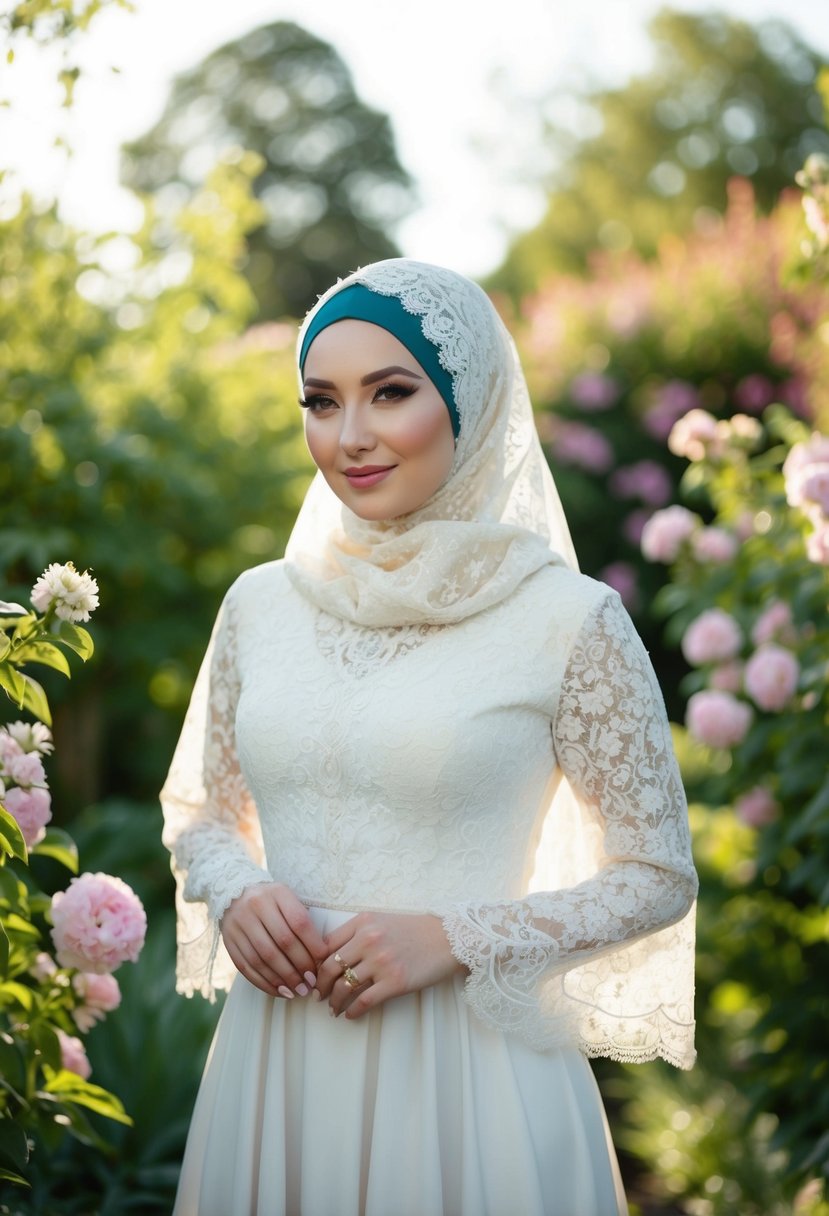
x,y
77,639
60,846
12,890
4,950
8,609
17,924
10,1176
24,996
43,652
11,837
69,1087
34,699
12,681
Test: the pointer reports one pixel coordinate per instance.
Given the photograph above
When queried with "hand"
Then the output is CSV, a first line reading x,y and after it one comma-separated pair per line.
x,y
390,953
272,940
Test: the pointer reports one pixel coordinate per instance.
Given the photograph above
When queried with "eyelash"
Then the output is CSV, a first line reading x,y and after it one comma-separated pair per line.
x,y
399,391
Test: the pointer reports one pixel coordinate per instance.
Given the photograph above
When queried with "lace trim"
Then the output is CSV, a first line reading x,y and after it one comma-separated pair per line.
x,y
359,651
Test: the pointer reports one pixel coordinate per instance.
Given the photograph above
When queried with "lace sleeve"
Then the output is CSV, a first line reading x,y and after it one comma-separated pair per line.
x,y
211,826
607,962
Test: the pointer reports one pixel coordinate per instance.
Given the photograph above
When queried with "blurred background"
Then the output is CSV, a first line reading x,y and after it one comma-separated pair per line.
x,y
178,182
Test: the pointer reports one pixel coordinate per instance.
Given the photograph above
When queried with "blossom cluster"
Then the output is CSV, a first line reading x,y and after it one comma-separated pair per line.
x,y
97,995
72,596
806,475
24,790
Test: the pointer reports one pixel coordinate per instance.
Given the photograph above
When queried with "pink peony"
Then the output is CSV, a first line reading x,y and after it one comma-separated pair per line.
x,y
757,807
771,677
814,487
727,677
798,464
32,809
695,436
73,1055
774,624
645,480
714,545
717,718
26,769
100,994
592,391
711,638
9,747
666,532
98,923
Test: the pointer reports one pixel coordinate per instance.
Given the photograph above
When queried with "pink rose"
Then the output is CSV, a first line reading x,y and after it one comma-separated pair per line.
x,y
727,677
32,809
666,532
771,677
73,1055
714,545
711,638
757,807
26,769
100,994
717,718
98,923
695,436
773,624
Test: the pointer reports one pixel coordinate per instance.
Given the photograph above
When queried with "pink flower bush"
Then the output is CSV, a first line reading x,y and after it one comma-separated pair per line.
x,y
774,624
717,718
771,677
621,576
582,446
714,545
754,393
30,736
671,401
695,436
727,677
666,532
591,391
32,809
100,995
73,1055
98,923
645,480
713,637
43,968
817,545
757,807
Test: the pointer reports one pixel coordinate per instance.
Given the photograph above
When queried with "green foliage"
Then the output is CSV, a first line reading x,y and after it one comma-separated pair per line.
x,y
722,98
331,185
144,425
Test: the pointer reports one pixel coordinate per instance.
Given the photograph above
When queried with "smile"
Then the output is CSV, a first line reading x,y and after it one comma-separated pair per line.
x,y
371,475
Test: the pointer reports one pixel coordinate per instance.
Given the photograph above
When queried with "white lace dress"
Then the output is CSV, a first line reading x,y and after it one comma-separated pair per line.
x,y
410,770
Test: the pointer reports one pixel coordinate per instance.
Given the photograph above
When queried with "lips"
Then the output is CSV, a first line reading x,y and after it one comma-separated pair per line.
x,y
363,477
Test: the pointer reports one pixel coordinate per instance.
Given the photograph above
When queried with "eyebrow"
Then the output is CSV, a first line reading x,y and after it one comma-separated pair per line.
x,y
371,378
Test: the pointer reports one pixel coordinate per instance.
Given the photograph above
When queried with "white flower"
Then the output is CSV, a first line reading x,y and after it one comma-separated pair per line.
x,y
73,595
32,736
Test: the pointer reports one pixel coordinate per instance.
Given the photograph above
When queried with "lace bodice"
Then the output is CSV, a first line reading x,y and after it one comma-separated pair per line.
x,y
411,769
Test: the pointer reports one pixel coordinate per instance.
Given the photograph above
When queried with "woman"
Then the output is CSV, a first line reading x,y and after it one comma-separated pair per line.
x,y
426,787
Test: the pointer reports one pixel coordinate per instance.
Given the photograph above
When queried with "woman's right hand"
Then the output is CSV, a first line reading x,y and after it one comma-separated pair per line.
x,y
272,940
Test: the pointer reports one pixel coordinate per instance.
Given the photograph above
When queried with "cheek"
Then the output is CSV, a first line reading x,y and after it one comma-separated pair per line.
x,y
424,433
319,442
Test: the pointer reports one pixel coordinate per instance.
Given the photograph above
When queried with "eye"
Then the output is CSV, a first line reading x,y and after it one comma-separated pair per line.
x,y
393,392
318,403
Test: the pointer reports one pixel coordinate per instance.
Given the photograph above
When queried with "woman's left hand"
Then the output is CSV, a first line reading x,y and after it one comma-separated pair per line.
x,y
388,954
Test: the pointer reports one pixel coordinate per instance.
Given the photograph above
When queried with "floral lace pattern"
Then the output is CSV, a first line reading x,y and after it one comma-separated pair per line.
x,y
410,770
615,747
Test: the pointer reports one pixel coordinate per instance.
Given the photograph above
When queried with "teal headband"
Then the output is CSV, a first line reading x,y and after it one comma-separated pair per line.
x,y
360,303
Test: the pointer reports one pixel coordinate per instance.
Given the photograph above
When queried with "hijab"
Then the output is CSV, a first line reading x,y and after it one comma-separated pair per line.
x,y
495,521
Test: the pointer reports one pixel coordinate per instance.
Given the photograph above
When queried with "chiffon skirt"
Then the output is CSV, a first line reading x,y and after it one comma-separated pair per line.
x,y
416,1109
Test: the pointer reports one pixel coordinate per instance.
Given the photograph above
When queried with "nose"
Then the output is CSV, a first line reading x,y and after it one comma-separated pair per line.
x,y
356,434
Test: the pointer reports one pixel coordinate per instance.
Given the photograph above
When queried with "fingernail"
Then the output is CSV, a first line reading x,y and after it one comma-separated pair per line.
x,y
331,1011
311,978
302,989
286,992
316,995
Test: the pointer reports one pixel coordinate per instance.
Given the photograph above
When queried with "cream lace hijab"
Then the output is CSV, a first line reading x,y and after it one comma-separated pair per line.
x,y
495,521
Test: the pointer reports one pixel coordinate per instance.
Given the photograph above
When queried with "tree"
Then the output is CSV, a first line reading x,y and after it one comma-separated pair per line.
x,y
723,99
332,186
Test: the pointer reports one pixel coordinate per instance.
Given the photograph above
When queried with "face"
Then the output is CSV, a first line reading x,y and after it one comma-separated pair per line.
x,y
376,426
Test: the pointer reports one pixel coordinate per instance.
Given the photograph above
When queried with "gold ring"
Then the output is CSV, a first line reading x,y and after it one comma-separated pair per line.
x,y
350,977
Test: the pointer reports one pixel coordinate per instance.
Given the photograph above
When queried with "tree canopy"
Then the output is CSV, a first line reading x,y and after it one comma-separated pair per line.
x,y
332,186
723,99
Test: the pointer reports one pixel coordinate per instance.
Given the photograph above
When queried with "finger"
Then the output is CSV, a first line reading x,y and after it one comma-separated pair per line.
x,y
251,971
300,921
283,951
343,993
331,970
272,962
